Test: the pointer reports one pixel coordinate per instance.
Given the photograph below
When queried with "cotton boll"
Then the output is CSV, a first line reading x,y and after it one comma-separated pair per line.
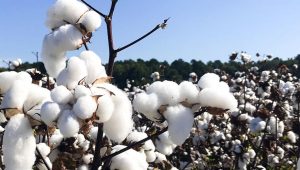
x,y
68,124
137,136
215,97
91,21
16,96
6,80
93,133
84,107
105,108
81,90
150,156
224,86
53,64
188,92
50,112
164,144
88,158
257,124
61,95
120,124
148,105
180,120
93,65
18,144
166,91
44,149
291,136
56,138
130,159
208,80
36,96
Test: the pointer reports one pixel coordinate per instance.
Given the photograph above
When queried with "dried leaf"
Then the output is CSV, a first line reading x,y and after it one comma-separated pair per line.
x,y
215,110
102,80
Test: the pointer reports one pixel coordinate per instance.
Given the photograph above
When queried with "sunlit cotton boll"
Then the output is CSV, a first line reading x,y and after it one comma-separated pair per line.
x,y
166,91
50,111
18,144
61,95
81,90
56,138
16,96
75,72
6,79
291,136
180,120
105,108
91,21
216,97
54,65
120,124
209,80
94,66
36,96
147,104
65,10
68,124
130,159
188,92
164,145
84,107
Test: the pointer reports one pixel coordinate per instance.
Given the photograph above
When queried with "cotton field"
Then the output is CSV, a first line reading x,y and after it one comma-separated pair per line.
x,y
75,118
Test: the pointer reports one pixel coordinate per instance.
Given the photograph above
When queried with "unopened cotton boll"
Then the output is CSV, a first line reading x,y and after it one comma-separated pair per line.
x,y
147,104
68,124
61,95
105,108
214,97
94,66
16,96
208,80
91,21
180,120
129,159
50,111
166,91
18,144
84,107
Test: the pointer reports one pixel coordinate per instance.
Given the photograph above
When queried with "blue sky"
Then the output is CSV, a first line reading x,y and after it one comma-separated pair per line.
x,y
198,29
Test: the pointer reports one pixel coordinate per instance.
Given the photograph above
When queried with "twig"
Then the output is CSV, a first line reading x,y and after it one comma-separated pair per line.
x,y
97,157
112,8
100,13
39,153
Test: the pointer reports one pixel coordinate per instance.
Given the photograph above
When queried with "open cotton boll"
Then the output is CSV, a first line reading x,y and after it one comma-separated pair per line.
x,y
81,90
137,136
36,96
6,80
68,124
84,107
18,144
56,138
166,91
129,159
105,108
188,92
61,95
91,21
44,149
54,65
88,158
148,105
215,97
224,86
291,136
180,121
209,80
93,65
120,124
50,112
15,96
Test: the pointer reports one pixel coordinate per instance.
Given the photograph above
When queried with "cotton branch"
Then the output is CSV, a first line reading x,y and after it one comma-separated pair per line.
x,y
100,13
45,163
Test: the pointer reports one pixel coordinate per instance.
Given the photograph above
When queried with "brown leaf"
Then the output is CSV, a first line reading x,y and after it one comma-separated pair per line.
x,y
103,80
216,111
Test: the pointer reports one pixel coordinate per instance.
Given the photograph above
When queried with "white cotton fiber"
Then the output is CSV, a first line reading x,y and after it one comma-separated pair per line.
x,y
136,136
164,145
91,20
16,96
50,112
56,138
216,97
18,144
36,96
6,80
68,124
147,104
120,124
68,10
166,91
105,108
180,121
291,136
94,66
75,72
129,159
188,92
84,107
208,80
61,95
81,90
54,64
